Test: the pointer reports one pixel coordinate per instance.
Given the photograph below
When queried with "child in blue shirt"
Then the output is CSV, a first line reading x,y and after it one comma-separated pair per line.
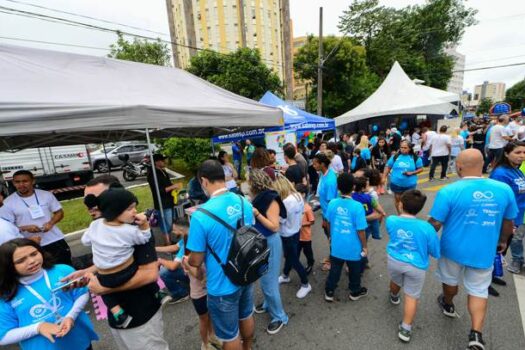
x,y
347,224
411,242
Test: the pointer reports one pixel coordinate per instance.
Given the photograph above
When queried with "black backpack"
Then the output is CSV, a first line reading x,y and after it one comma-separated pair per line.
x,y
248,254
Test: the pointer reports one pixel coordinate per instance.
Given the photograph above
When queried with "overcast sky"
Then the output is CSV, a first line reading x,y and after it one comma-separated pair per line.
x,y
498,39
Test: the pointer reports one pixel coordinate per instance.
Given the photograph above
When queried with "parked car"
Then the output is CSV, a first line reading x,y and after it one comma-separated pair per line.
x,y
136,152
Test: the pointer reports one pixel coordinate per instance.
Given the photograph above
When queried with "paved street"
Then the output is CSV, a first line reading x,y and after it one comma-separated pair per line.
x,y
366,324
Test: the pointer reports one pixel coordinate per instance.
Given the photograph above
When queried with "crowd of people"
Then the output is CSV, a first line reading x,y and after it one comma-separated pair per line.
x,y
43,298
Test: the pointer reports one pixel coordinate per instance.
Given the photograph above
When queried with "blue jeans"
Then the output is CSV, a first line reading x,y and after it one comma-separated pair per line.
x,y
176,281
373,230
166,226
270,281
354,274
228,310
291,258
516,244
237,166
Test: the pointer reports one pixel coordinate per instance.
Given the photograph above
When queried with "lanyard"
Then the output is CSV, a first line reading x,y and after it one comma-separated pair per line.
x,y
53,308
27,205
219,192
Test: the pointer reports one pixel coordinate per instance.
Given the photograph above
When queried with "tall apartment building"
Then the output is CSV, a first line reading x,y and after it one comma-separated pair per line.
x,y
494,91
226,25
299,86
455,84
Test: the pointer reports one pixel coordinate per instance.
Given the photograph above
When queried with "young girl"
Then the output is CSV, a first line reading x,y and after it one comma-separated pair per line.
x,y
289,231
305,237
32,312
112,239
198,293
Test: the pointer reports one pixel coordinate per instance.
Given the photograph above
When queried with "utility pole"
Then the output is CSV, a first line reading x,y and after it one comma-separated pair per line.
x,y
286,33
320,66
242,23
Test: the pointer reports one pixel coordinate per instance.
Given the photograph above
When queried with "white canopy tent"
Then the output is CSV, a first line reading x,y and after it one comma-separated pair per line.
x,y
399,95
62,98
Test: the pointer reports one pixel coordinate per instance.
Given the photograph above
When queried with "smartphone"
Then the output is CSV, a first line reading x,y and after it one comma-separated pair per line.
x,y
76,280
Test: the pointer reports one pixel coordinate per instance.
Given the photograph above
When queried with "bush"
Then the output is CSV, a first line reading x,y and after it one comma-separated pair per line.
x,y
192,151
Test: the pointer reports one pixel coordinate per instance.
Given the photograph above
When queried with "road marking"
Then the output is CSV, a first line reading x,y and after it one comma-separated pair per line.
x,y
422,181
519,283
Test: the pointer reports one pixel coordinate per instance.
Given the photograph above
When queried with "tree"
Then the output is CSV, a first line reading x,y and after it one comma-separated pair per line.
x,y
193,151
241,72
140,51
346,78
484,105
516,95
415,36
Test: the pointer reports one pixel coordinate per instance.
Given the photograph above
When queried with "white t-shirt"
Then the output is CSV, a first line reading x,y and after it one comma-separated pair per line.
x,y
513,129
496,136
458,143
294,215
113,245
429,135
440,143
17,210
8,231
416,139
228,172
337,164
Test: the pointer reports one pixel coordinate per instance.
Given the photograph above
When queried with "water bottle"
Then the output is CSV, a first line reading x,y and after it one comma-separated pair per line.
x,y
498,265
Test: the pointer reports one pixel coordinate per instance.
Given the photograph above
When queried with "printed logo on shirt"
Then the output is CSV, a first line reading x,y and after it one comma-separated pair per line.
x,y
521,184
471,213
482,196
42,311
403,164
342,211
404,234
17,302
491,213
234,210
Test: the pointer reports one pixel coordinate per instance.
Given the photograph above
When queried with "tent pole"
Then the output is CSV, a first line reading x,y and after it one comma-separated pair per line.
x,y
155,180
106,156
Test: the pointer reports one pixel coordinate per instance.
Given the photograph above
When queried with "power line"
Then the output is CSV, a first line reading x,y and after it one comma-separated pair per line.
x,y
53,43
84,16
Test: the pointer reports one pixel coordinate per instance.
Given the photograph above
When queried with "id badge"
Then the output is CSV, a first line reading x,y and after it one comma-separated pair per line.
x,y
36,211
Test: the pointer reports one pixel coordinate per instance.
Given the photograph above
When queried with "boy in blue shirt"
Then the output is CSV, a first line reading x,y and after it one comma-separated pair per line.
x,y
347,225
411,242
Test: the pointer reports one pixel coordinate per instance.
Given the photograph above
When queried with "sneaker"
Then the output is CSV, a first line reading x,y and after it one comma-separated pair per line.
x,y
284,279
404,334
122,320
274,327
514,267
164,297
303,291
431,180
390,192
493,291
395,299
499,281
215,343
179,299
448,310
363,292
443,179
475,341
329,296
259,309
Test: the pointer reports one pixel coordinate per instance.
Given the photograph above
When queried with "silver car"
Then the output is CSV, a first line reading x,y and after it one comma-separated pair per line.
x,y
136,153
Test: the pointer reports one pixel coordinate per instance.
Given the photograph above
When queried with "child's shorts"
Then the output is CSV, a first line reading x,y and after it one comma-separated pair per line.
x,y
407,276
201,305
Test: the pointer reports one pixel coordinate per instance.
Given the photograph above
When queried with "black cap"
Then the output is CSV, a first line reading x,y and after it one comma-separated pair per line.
x,y
114,201
158,156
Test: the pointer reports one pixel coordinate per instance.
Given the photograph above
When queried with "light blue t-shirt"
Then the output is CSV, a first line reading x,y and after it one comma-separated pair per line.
x,y
26,309
365,154
327,189
373,140
404,162
205,231
411,241
472,212
516,180
465,135
180,253
346,217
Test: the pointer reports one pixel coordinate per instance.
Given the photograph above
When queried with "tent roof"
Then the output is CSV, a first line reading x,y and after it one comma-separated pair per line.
x,y
64,98
442,95
398,94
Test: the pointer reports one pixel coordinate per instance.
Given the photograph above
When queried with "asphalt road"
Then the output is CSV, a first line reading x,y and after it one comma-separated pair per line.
x,y
370,323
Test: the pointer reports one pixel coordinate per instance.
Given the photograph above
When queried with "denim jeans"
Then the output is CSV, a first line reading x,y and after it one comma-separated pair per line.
x,y
270,281
373,230
237,166
291,257
516,245
176,281
166,226
354,274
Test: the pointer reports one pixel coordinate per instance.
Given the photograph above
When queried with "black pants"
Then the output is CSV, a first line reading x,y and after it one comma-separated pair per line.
x,y
59,251
306,247
291,257
443,160
354,274
114,280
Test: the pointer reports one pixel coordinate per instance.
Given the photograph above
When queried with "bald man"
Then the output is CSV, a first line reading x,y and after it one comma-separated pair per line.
x,y
476,216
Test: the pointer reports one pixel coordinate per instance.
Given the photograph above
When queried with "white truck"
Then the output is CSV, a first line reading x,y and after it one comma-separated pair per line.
x,y
59,169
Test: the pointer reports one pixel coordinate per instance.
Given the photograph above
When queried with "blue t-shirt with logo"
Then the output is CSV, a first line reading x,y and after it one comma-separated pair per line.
x,y
472,212
346,217
411,241
516,180
25,309
205,231
327,189
404,162
365,154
